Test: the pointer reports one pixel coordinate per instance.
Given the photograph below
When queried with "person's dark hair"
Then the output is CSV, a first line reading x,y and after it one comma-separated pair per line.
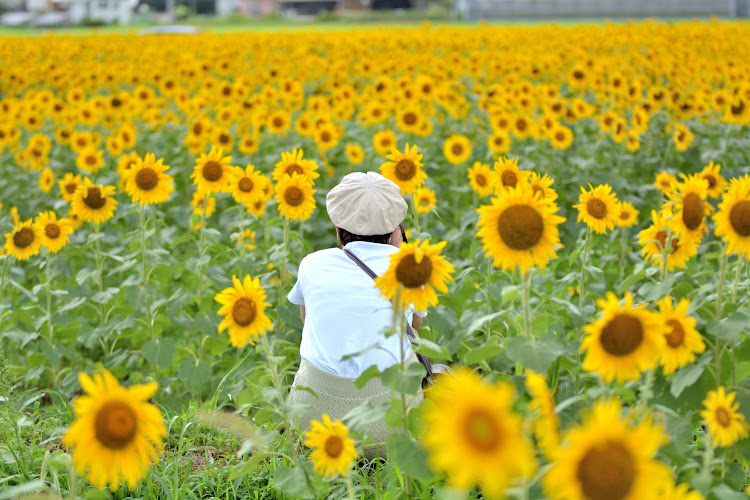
x,y
345,237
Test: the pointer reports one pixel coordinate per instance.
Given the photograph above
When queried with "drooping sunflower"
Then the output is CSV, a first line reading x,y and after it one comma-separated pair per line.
x,y
244,184
655,239
726,424
294,195
624,342
711,174
68,185
457,149
546,424
148,183
628,215
425,200
384,141
690,208
354,153
733,217
417,270
54,231
46,180
474,436
242,306
333,450
211,172
541,184
608,457
598,208
683,340
666,182
682,137
405,169
519,229
117,432
94,202
508,174
90,159
292,163
482,179
24,241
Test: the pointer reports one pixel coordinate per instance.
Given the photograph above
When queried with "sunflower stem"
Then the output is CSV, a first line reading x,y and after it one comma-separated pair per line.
x,y
242,229
488,325
2,276
282,271
583,270
646,391
736,283
99,270
349,487
49,300
720,284
525,298
416,214
145,271
201,253
708,454
665,251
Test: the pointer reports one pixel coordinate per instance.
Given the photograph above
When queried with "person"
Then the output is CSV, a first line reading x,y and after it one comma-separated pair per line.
x,y
344,316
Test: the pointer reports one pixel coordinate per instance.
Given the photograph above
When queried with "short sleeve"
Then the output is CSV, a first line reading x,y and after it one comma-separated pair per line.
x,y
421,314
295,296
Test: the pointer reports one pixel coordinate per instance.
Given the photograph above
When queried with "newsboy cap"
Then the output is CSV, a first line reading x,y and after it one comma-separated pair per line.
x,y
366,204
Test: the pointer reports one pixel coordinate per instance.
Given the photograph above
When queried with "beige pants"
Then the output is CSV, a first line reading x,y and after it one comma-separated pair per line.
x,y
337,396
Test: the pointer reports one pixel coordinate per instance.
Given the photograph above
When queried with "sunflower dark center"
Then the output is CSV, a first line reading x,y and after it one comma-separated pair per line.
x,y
481,180
711,180
520,227
622,335
410,118
325,136
457,149
722,416
677,335
521,124
52,231
692,211
115,425
482,431
197,128
146,179
405,169
737,109
278,122
606,472
596,208
578,75
91,160
560,136
23,238
224,138
246,184
413,274
212,171
624,214
94,198
739,218
71,188
509,178
294,196
243,311
334,446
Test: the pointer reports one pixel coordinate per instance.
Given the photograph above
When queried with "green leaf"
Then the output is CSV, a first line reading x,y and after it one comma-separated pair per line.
x,y
366,376
479,323
408,381
249,466
534,354
159,351
432,350
409,456
290,481
488,350
731,327
724,492
688,375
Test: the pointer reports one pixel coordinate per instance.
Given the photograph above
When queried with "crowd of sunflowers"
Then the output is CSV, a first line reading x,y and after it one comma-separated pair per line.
x,y
159,191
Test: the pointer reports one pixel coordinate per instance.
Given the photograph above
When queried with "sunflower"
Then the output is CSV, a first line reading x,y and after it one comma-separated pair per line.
x,y
333,450
628,215
94,202
457,149
68,185
278,122
474,436
508,174
425,199
409,119
711,175
54,231
624,342
542,186
689,206
726,424
199,199
117,432
247,239
211,172
665,182
414,273
482,179
678,492
354,153
683,340
546,424
561,137
499,142
384,141
24,241
682,137
292,163
244,184
46,180
522,127
654,241
249,144
405,169
147,182
598,208
242,306
326,137
90,159
733,217
124,167
294,194
608,458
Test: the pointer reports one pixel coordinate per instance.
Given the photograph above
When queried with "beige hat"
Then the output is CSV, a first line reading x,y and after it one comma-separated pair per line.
x,y
366,204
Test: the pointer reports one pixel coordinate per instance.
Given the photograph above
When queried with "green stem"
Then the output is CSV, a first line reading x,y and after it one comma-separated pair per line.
x,y
145,271
282,272
99,270
242,230
736,283
2,276
665,251
720,284
488,326
525,298
50,333
646,391
708,453
349,487
202,253
583,270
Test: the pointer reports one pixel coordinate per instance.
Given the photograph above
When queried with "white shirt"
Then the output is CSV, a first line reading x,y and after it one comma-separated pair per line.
x,y
344,312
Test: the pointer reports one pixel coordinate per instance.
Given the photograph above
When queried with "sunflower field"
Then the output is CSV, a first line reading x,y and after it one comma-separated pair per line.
x,y
579,233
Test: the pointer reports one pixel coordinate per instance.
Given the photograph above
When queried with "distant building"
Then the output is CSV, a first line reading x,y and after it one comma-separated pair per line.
x,y
109,11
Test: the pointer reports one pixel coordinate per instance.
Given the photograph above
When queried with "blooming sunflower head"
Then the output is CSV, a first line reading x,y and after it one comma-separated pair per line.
x,y
482,179
117,432
333,451
628,215
24,241
405,169
598,208
726,424
682,137
54,231
659,242
46,180
508,174
690,207
354,153
242,306
245,185
68,185
665,182
90,159
541,184
293,163
425,200
384,141
294,195
683,340
211,172
457,149
711,174
94,202
546,424
147,182
733,217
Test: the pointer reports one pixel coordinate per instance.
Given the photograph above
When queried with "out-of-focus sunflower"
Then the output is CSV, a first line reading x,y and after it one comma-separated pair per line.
x,y
68,185
683,340
94,202
561,137
223,139
690,208
24,241
655,239
508,174
148,183
278,122
46,180
249,144
384,141
682,137
244,184
242,306
678,492
90,159
726,424
474,436
54,231
425,200
117,432
409,119
733,217
665,182
294,195
711,174
482,179
354,153
405,169
598,208
457,149
546,424
124,167
247,239
499,142
608,457
541,184
333,451
326,137
628,215
624,342
293,163
519,229
211,172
